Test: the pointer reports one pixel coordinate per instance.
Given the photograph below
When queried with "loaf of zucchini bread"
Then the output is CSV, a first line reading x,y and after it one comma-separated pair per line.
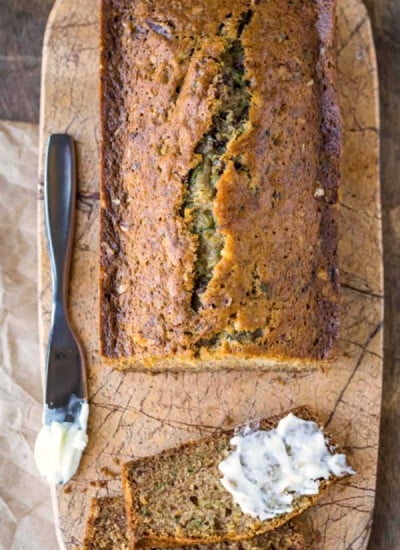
x,y
220,170
107,529
232,485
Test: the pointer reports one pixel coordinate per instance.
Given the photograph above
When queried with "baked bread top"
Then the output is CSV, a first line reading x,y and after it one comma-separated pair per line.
x,y
220,147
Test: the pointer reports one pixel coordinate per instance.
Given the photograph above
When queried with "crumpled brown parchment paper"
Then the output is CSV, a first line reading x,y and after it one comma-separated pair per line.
x,y
26,520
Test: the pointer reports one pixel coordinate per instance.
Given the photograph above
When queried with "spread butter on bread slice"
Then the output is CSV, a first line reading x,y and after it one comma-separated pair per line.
x,y
203,492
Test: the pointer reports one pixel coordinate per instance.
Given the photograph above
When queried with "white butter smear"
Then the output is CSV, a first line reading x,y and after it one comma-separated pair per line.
x,y
59,447
269,470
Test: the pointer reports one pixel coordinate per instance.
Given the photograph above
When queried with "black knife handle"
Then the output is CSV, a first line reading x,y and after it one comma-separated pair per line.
x,y
65,362
59,200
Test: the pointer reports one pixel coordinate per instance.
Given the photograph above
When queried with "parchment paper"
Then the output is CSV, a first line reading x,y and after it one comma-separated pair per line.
x,y
26,520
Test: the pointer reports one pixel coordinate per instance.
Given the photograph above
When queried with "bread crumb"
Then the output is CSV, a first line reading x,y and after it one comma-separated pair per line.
x,y
108,472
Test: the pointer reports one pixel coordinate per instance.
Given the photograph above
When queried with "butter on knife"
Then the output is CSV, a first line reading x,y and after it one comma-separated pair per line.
x,y
59,445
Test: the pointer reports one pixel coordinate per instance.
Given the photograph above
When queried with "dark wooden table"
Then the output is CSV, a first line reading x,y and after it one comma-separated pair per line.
x,y
22,24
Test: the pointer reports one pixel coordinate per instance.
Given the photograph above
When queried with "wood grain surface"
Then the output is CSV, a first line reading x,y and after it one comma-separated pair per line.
x,y
22,23
386,17
135,414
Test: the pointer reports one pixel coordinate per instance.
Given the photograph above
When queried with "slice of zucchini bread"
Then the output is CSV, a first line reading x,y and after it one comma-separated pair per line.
x,y
180,496
220,171
107,530
106,527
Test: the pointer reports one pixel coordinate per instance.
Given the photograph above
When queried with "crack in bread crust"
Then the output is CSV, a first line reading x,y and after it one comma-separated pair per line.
x,y
233,97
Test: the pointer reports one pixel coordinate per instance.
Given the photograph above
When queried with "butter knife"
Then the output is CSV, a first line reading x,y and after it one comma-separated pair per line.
x,y
62,438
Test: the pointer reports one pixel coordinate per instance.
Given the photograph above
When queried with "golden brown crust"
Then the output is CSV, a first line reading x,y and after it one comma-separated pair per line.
x,y
129,507
148,537
273,294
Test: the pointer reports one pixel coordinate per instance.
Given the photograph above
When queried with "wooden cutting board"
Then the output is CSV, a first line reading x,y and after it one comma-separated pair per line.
x,y
136,414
